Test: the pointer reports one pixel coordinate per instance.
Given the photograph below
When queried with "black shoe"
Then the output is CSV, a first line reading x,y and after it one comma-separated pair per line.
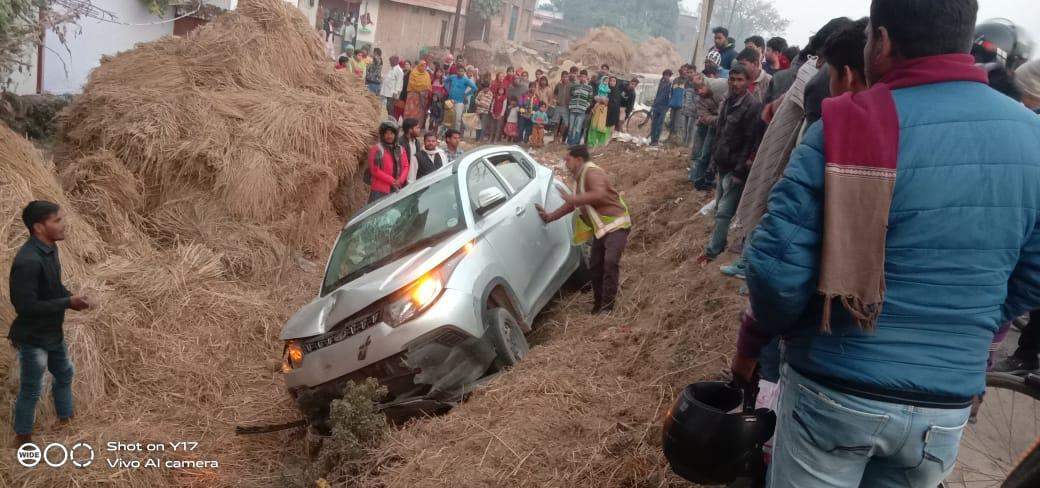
x,y
1017,366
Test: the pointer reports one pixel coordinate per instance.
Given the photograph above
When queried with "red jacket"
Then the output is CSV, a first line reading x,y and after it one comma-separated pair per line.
x,y
383,173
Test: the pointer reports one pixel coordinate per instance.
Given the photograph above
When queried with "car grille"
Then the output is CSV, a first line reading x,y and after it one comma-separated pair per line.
x,y
342,331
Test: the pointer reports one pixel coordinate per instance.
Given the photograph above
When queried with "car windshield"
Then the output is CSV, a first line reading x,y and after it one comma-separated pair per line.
x,y
416,221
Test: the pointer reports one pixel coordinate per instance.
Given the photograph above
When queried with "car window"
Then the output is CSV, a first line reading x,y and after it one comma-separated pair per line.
x,y
516,172
481,177
418,220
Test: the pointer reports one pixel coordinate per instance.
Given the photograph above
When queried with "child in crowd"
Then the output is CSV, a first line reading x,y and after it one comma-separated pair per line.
x,y
539,118
499,109
483,101
599,133
512,130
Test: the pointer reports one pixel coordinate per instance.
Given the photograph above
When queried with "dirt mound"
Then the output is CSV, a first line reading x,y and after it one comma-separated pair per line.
x,y
242,121
656,55
199,174
592,418
603,45
492,60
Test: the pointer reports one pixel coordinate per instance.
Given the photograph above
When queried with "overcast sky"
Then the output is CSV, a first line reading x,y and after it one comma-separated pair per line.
x,y
809,15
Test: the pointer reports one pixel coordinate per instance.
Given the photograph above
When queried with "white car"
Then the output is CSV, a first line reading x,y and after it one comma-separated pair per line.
x,y
431,288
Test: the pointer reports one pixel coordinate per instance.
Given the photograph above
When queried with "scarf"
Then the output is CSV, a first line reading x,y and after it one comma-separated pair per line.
x,y
395,154
419,81
861,149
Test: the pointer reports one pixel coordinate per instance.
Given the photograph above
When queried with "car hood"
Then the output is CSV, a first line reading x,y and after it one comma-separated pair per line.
x,y
320,315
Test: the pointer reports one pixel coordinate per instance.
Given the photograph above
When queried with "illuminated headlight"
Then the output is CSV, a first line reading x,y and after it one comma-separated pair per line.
x,y
418,296
292,357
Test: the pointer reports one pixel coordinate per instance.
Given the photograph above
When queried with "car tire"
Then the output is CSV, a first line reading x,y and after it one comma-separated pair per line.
x,y
507,337
582,276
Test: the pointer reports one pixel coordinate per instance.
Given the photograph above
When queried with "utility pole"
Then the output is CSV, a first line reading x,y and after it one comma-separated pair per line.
x,y
455,29
700,47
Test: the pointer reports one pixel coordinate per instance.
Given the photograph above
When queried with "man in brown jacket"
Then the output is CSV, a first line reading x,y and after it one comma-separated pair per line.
x,y
603,213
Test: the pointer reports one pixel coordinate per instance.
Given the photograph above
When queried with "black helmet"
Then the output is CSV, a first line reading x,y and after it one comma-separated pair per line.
x,y
705,443
1001,41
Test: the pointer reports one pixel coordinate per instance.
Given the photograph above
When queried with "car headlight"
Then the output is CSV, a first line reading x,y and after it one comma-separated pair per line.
x,y
292,356
419,295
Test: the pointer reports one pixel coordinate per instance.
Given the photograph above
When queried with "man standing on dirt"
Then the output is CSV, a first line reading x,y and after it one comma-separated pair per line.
x,y
561,110
40,300
581,101
603,215
886,316
660,106
727,53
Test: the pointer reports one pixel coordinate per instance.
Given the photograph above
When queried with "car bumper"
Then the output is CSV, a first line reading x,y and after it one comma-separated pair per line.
x,y
444,342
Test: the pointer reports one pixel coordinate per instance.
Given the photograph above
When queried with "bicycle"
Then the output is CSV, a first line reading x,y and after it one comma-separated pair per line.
x,y
1004,427
638,124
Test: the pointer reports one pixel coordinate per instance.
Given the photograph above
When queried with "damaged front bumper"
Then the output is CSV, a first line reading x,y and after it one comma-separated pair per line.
x,y
433,360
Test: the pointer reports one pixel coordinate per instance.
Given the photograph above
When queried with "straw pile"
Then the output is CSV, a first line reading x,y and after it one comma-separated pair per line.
x,y
656,55
237,135
603,45
192,169
585,407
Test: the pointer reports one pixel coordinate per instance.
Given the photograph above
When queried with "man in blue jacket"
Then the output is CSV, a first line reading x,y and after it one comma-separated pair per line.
x,y
460,87
660,106
903,233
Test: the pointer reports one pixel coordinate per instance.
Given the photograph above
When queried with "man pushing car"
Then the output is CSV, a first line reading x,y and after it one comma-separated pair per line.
x,y
603,216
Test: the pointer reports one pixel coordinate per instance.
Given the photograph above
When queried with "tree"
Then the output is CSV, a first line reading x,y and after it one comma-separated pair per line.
x,y
23,23
640,19
486,9
746,18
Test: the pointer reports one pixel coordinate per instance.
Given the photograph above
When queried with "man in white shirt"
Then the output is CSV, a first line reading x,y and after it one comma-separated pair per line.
x,y
392,84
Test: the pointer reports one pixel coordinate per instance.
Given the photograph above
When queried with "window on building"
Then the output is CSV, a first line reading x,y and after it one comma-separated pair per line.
x,y
514,17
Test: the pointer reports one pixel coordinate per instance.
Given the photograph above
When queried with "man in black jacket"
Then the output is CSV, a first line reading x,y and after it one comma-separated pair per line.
x,y
738,133
40,301
430,158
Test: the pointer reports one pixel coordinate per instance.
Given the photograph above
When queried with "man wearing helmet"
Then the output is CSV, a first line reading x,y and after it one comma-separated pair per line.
x,y
723,46
387,163
887,296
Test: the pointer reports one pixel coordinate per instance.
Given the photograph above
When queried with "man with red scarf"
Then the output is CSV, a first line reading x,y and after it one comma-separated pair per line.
x,y
904,232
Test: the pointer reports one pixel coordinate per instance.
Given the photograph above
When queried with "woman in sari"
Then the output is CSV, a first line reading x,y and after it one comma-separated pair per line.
x,y
615,101
419,87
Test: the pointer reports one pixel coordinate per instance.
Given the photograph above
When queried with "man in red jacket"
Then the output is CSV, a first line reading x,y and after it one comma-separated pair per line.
x,y
387,163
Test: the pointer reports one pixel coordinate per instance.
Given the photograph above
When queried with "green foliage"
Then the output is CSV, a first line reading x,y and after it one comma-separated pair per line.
x,y
356,427
746,18
19,33
640,19
486,8
157,7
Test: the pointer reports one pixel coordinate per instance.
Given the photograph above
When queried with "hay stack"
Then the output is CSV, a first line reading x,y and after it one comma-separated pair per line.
x,y
243,122
603,45
192,167
656,55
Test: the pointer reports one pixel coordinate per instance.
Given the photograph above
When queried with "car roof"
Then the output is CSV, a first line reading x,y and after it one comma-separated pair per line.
x,y
447,171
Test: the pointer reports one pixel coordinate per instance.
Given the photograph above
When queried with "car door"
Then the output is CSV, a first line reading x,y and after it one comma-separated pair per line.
x,y
516,238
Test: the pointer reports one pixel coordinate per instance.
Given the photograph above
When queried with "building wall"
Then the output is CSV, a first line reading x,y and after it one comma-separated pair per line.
x,y
309,8
405,29
65,73
685,35
22,81
372,8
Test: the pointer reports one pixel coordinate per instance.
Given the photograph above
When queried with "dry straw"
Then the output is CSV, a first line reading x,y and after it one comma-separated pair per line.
x,y
192,169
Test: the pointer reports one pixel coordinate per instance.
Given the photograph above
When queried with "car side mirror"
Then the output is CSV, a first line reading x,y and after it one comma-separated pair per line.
x,y
489,198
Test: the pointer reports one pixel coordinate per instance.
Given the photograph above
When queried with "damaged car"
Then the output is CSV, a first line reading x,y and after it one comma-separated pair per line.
x,y
433,288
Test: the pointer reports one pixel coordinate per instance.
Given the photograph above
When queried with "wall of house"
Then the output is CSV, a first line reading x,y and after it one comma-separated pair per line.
x,y
23,80
372,8
404,29
309,8
66,71
498,28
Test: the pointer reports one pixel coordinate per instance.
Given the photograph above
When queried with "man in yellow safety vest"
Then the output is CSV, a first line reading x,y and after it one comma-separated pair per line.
x,y
603,215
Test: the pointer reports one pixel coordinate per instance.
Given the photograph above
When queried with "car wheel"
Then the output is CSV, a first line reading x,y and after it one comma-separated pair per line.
x,y
507,337
582,276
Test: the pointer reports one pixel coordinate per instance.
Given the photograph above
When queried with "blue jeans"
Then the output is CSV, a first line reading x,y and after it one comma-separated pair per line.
x,y
828,439
656,124
703,143
35,360
374,87
727,199
524,126
577,124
